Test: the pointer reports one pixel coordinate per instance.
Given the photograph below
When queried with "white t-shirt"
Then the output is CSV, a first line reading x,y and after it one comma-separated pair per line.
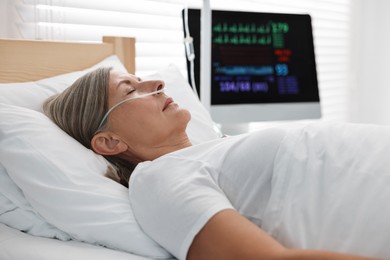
x,y
175,195
321,186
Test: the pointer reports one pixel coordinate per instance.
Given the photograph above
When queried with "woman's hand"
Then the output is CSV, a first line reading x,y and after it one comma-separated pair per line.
x,y
228,235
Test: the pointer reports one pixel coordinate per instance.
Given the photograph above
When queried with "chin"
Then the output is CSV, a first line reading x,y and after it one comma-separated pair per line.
x,y
184,116
188,114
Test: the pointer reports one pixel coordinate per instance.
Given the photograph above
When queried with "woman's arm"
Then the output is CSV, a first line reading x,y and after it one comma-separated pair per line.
x,y
228,235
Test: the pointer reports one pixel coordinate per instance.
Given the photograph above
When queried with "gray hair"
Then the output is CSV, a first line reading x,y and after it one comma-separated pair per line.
x,y
78,111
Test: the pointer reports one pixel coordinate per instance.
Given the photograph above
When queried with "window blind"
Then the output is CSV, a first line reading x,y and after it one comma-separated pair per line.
x,y
157,26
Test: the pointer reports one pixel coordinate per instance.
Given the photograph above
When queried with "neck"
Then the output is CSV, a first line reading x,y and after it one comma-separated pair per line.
x,y
183,143
151,153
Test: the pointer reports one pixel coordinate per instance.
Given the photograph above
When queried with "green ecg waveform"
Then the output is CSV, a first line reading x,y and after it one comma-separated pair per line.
x,y
251,33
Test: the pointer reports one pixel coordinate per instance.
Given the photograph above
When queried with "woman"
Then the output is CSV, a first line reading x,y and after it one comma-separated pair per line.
x,y
190,199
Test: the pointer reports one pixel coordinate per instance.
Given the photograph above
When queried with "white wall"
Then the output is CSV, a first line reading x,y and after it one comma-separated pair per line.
x,y
9,18
3,19
370,88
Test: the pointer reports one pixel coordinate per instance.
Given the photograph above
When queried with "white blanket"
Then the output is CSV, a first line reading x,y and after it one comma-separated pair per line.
x,y
332,190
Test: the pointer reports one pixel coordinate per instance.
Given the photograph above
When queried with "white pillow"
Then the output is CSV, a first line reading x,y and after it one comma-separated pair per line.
x,y
64,181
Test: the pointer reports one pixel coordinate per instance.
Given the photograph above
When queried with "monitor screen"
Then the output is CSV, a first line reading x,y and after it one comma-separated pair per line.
x,y
262,66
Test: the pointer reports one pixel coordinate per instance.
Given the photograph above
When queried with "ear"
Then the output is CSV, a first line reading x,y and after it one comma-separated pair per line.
x,y
106,143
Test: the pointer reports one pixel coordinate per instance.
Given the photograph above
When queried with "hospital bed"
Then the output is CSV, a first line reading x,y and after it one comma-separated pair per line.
x,y
56,203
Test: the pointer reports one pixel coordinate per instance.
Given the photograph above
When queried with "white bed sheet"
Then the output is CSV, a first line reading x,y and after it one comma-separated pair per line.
x,y
15,245
330,190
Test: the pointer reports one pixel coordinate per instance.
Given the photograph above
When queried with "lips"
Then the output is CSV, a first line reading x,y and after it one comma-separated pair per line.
x,y
167,103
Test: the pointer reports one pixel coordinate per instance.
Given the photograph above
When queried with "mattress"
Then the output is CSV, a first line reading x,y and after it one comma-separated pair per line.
x,y
15,245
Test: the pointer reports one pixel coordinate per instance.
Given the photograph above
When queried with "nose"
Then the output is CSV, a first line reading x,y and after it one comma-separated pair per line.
x,y
160,84
152,85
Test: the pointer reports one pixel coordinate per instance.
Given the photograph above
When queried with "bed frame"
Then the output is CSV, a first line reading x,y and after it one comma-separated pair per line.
x,y
30,60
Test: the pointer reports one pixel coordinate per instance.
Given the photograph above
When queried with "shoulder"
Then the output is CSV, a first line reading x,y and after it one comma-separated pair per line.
x,y
172,199
160,175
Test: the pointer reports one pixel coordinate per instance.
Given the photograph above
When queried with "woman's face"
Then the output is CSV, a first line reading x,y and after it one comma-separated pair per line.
x,y
147,122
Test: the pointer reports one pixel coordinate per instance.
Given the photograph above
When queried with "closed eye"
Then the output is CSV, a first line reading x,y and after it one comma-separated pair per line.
x,y
128,82
130,91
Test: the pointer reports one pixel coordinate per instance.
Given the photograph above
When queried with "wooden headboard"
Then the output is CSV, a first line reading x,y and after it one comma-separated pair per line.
x,y
30,60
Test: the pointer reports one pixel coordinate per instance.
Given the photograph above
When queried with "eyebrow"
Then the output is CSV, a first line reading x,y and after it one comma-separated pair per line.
x,y
122,82
127,81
